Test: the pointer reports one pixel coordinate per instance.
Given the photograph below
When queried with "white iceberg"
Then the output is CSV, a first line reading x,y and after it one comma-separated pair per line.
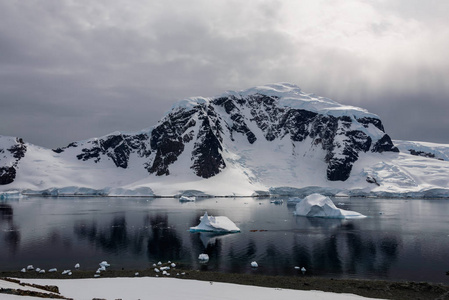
x,y
187,199
211,223
203,257
317,205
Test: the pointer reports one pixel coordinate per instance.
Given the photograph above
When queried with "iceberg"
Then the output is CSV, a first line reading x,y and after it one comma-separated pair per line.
x,y
317,205
7,195
218,224
187,199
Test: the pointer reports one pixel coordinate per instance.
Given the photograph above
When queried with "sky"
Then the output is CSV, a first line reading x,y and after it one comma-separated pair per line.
x,y
75,69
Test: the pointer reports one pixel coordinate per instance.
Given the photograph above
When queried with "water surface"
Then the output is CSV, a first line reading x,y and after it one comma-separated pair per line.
x,y
400,239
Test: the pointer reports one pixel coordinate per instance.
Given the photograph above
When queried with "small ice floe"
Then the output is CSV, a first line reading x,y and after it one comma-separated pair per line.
x,y
65,272
154,265
53,270
136,274
70,273
38,270
42,271
77,266
168,262
164,268
98,271
165,273
303,270
277,201
23,270
293,201
254,264
173,265
156,270
159,263
297,268
104,264
30,267
187,199
96,275
317,205
183,273
216,224
203,257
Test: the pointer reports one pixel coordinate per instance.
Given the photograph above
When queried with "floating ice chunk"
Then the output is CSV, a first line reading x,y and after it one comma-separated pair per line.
x,y
169,262
65,272
156,270
70,273
164,272
317,205
297,268
173,265
254,264
30,267
159,263
10,195
77,266
187,199
42,271
203,257
53,270
154,265
104,264
277,201
23,270
303,270
164,268
38,270
136,274
96,275
211,223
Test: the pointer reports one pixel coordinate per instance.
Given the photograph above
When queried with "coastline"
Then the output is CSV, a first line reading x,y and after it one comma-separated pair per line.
x,y
367,288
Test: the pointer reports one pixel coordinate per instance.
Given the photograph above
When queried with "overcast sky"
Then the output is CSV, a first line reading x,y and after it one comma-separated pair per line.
x,y
76,69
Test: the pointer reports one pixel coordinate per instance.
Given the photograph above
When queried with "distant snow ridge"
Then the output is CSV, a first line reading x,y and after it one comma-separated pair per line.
x,y
273,138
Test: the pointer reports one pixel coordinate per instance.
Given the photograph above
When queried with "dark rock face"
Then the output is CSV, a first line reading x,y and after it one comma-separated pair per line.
x,y
17,152
421,153
116,147
167,140
384,145
207,159
7,175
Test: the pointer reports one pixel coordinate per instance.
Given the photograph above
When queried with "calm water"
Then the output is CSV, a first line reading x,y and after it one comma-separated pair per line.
x,y
400,240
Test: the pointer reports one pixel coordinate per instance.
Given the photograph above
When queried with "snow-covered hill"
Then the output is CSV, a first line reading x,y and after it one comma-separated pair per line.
x,y
269,139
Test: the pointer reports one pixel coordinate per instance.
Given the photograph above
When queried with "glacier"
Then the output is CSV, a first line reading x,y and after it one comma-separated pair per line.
x,y
267,140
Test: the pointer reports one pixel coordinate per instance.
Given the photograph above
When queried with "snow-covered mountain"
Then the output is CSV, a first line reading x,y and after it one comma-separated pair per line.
x,y
269,139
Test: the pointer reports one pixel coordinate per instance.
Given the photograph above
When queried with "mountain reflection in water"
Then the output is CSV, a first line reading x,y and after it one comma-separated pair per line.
x,y
135,233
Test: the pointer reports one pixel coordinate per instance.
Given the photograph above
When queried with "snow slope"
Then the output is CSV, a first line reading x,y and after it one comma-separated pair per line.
x,y
171,289
268,139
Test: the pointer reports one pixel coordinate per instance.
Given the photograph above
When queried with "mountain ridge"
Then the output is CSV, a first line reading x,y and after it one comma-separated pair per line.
x,y
201,138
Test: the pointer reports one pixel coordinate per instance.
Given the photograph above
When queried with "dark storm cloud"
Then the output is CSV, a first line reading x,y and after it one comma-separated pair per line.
x,y
72,70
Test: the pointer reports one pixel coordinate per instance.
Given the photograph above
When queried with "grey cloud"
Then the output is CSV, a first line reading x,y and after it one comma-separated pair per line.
x,y
73,70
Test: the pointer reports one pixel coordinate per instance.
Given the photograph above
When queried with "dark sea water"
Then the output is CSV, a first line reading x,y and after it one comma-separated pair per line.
x,y
400,239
